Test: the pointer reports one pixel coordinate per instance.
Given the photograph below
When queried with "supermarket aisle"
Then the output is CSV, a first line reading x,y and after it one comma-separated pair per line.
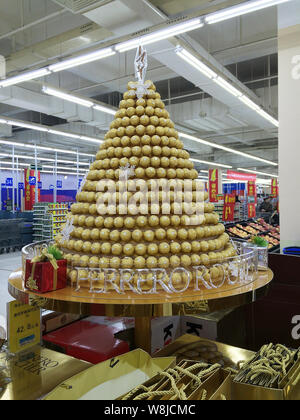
x,y
8,263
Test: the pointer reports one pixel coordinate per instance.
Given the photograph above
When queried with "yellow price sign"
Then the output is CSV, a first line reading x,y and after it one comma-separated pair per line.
x,y
24,326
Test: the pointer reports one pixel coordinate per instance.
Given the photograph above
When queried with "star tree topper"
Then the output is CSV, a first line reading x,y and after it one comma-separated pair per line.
x,y
140,88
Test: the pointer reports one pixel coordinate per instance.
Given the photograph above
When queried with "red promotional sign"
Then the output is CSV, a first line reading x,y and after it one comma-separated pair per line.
x,y
229,206
251,189
274,188
240,177
30,184
251,210
213,185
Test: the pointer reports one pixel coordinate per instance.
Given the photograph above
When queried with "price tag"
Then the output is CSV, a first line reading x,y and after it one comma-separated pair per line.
x,y
24,326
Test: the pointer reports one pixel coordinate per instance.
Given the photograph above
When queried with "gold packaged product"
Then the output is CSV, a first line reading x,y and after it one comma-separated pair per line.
x,y
113,378
186,381
272,374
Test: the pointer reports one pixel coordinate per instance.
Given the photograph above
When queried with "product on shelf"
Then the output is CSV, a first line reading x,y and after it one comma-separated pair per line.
x,y
272,241
269,366
238,232
48,219
142,146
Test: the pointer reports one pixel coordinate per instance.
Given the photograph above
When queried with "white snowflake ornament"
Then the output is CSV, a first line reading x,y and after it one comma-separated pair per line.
x,y
67,230
126,172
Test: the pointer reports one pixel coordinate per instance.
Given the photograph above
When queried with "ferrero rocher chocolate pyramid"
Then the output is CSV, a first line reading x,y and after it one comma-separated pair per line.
x,y
143,147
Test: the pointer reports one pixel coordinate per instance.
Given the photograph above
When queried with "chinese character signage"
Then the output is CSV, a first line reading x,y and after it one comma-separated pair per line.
x,y
240,177
24,326
251,189
228,209
251,210
30,185
9,182
213,185
274,188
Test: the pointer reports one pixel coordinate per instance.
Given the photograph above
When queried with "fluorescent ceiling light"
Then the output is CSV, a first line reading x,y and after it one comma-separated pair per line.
x,y
62,173
227,86
64,169
44,159
91,139
43,148
82,59
104,109
249,103
62,95
226,149
239,10
193,61
208,72
258,172
43,128
10,169
268,117
26,125
24,77
160,35
211,163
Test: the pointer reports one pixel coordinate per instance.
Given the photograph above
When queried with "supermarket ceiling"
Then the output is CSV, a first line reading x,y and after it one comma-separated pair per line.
x,y
35,34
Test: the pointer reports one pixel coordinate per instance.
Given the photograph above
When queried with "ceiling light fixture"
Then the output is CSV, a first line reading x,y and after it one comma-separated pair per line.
x,y
44,159
258,172
82,59
24,77
67,97
160,35
208,72
44,148
211,163
193,61
226,149
39,127
239,10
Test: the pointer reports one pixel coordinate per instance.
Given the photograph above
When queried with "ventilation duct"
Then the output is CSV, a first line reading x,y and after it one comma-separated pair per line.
x,y
80,6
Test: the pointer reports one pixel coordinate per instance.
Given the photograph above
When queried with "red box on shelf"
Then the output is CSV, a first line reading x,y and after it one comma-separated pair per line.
x,y
87,341
41,277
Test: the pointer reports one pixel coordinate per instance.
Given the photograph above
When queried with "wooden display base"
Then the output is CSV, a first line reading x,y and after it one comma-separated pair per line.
x,y
142,307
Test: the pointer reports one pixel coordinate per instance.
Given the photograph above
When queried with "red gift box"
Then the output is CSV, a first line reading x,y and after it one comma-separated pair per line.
x,y
41,277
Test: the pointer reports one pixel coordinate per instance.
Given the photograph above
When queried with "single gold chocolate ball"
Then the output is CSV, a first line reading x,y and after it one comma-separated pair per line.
x,y
141,102
115,262
175,261
116,249
160,131
78,246
140,110
130,112
164,248
87,246
151,262
165,221
128,250
152,249
144,120
125,141
127,263
139,262
141,249
163,262
137,235
96,248
125,235
104,263
150,172
149,111
148,235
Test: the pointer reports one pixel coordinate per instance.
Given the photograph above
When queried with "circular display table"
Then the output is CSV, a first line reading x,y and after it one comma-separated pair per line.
x,y
142,307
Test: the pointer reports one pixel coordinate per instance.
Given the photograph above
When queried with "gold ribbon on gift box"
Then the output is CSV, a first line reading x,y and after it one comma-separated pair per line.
x,y
44,257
